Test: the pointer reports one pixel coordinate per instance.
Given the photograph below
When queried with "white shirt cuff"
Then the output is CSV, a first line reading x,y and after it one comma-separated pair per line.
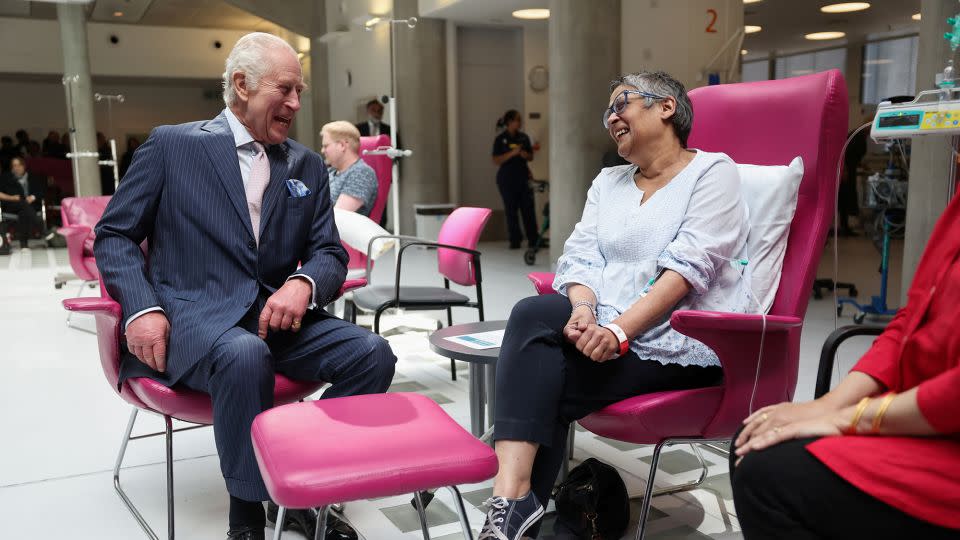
x,y
139,313
313,289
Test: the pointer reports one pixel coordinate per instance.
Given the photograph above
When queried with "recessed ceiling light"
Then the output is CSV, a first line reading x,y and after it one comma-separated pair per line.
x,y
750,1
915,16
118,14
743,51
536,13
820,36
845,7
752,29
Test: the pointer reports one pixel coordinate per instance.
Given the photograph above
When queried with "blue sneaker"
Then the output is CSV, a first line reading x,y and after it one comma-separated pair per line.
x,y
508,519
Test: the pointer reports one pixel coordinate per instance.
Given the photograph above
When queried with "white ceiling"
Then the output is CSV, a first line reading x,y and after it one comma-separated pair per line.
x,y
784,22
181,13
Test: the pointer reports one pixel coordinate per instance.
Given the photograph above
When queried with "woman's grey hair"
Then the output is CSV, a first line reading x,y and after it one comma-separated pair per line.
x,y
662,84
249,56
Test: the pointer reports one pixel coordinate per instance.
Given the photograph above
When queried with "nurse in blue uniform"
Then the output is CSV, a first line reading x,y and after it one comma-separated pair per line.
x,y
511,152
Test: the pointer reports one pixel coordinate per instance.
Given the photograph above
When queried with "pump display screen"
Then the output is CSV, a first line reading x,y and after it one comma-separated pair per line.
x,y
906,120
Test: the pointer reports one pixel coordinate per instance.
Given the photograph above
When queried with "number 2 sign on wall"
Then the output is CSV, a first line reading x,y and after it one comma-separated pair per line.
x,y
712,13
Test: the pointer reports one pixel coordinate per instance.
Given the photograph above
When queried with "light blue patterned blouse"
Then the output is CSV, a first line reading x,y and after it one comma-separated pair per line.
x,y
618,245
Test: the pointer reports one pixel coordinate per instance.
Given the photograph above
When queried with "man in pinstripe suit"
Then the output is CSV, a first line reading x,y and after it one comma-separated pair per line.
x,y
222,305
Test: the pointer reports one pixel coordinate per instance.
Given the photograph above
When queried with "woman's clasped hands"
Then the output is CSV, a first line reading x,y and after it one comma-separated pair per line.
x,y
594,341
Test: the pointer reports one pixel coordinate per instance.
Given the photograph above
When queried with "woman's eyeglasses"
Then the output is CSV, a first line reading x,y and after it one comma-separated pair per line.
x,y
620,103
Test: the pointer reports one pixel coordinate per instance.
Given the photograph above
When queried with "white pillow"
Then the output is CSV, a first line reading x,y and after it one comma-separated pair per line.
x,y
771,196
356,230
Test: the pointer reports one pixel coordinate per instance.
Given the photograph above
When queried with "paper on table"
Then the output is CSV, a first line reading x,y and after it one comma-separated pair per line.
x,y
480,340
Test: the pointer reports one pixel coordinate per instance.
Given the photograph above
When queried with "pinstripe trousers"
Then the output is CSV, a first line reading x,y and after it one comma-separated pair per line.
x,y
238,373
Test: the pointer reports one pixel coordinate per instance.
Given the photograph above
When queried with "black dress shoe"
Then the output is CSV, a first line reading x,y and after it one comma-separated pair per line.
x,y
246,533
305,521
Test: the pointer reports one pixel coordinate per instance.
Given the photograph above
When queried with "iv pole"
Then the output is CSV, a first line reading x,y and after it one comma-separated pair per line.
x,y
392,151
113,142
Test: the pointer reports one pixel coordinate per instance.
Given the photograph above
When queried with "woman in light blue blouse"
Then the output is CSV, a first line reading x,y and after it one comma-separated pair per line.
x,y
656,235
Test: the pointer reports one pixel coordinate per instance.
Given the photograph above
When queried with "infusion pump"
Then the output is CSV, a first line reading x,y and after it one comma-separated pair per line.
x,y
928,114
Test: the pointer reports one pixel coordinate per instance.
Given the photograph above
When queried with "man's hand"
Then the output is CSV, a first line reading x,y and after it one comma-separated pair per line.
x,y
31,198
147,339
285,308
598,343
579,320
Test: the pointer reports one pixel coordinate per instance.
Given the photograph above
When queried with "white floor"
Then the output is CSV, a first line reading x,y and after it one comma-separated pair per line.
x,y
62,423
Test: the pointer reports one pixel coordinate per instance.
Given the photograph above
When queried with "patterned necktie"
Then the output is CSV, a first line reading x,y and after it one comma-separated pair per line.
x,y
256,185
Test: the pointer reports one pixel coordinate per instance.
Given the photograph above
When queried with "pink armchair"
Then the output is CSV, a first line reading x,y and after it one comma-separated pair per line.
x,y
79,215
764,123
170,403
383,167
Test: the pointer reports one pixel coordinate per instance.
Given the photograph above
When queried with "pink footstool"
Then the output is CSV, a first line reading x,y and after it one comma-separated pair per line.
x,y
317,453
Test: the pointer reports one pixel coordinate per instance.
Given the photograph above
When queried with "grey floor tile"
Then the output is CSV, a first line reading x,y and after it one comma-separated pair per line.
x,y
476,498
404,516
620,445
410,386
454,536
684,532
675,462
440,399
719,484
635,509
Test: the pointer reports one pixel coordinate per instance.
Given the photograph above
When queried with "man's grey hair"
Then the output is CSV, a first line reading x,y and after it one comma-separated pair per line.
x,y
249,56
662,84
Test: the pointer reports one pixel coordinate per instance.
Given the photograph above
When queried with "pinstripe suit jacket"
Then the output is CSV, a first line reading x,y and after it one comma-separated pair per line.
x,y
184,194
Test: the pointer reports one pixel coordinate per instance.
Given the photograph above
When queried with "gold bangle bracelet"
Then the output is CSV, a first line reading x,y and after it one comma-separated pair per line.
x,y
862,406
878,418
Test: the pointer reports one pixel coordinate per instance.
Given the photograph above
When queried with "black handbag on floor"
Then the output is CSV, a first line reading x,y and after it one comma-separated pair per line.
x,y
592,502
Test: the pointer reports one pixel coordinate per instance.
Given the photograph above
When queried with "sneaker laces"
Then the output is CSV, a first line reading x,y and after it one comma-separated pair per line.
x,y
496,511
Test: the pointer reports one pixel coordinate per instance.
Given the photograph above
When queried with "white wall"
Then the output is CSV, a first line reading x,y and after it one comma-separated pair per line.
x,y
39,106
535,53
33,46
365,55
671,36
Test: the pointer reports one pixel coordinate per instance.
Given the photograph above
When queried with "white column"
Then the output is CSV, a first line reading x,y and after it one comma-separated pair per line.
x,y
930,157
76,72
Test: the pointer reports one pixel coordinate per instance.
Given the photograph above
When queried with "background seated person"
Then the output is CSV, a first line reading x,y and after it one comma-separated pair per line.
x,y
672,212
879,456
21,194
353,184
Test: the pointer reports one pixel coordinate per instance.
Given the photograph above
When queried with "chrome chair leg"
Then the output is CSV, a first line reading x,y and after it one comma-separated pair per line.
x,y
423,515
278,530
168,424
648,492
116,478
321,528
461,512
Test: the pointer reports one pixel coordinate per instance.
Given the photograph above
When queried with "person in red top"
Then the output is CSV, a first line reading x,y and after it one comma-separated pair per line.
x,y
879,456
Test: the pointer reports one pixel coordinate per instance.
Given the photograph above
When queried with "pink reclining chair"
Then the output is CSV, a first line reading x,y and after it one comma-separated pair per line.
x,y
170,403
383,167
79,215
762,123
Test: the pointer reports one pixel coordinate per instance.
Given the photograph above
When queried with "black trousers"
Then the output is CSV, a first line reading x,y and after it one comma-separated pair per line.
x,y
544,383
27,219
785,492
238,373
518,199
